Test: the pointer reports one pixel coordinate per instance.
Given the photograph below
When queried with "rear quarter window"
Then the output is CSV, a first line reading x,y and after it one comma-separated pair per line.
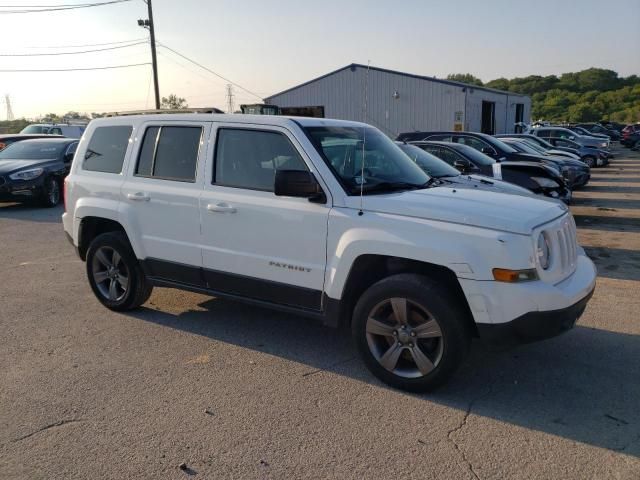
x,y
107,148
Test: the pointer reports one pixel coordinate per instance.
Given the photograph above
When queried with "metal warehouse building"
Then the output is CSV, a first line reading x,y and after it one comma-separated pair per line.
x,y
401,102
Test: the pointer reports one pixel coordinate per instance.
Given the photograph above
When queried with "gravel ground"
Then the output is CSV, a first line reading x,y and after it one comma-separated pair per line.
x,y
234,391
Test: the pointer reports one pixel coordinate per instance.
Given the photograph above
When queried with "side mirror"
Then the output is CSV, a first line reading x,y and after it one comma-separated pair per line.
x,y
297,183
462,165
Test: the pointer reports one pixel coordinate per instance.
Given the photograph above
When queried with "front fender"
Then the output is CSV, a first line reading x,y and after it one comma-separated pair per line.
x,y
470,252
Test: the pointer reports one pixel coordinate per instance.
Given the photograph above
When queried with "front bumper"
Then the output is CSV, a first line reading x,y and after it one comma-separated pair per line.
x,y
19,190
533,326
501,307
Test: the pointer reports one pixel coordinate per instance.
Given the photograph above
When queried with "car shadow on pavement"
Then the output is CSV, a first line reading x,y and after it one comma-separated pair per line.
x,y
622,203
583,386
609,188
618,263
31,213
604,222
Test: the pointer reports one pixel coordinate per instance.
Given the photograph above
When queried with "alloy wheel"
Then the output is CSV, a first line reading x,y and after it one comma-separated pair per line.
x,y
110,274
53,192
404,338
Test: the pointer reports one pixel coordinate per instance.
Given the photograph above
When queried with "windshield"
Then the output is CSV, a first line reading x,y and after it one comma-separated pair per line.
x,y
432,165
533,146
522,147
30,150
474,155
501,145
386,167
540,141
35,129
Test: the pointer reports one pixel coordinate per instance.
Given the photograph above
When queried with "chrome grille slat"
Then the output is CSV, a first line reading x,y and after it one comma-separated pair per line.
x,y
563,250
563,237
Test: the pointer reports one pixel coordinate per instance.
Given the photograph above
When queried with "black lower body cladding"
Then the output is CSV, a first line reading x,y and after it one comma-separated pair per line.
x,y
533,326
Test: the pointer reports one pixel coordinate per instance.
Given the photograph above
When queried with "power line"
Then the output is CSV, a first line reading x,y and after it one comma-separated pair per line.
x,y
209,70
89,44
55,8
75,69
68,53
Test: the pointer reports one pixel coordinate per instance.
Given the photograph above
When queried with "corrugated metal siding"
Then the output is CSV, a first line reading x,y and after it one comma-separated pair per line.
x,y
421,105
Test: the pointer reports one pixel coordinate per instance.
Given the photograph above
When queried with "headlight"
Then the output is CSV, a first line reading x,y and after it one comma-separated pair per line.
x,y
27,174
545,182
543,251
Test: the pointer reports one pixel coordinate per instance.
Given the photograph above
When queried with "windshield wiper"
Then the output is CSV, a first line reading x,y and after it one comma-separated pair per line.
x,y
389,187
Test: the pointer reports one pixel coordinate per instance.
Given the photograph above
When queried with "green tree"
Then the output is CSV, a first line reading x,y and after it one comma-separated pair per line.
x,y
465,78
173,102
589,95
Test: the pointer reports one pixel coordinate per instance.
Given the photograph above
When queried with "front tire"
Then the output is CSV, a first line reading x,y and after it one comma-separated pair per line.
x,y
51,192
590,161
411,332
114,273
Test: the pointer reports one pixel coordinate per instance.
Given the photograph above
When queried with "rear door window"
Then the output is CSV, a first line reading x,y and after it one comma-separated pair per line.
x,y
170,153
543,133
440,138
107,149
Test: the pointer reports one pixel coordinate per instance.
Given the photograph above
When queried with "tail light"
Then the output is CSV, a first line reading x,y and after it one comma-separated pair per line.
x,y
64,195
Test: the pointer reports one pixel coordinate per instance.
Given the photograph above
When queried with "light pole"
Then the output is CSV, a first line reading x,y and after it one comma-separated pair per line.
x,y
154,62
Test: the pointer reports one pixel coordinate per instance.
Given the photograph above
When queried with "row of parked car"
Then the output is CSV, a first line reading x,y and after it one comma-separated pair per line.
x,y
551,161
526,160
627,135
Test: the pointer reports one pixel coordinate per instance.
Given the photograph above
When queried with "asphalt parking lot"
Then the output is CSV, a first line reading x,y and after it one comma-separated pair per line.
x,y
239,392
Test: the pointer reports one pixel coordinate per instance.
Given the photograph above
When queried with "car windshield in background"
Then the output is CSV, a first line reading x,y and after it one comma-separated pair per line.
x,y
521,147
29,150
386,167
431,164
501,145
526,146
35,129
475,156
532,145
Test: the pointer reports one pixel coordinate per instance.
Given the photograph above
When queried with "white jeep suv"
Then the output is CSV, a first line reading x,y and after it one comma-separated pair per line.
x,y
325,218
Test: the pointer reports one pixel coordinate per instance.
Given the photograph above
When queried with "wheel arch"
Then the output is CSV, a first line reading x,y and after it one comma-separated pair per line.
x,y
368,269
92,226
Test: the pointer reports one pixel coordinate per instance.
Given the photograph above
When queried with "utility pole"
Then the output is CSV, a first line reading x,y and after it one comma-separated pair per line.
x,y
229,98
154,61
9,110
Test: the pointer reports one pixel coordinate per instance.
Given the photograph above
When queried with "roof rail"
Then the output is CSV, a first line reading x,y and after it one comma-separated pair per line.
x,y
161,111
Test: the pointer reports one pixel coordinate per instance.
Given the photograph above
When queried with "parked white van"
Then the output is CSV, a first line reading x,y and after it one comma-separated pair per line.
x,y
328,219
70,131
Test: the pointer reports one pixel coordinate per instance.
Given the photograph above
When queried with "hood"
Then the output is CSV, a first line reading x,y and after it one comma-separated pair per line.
x,y
566,161
9,166
564,154
468,206
482,182
591,141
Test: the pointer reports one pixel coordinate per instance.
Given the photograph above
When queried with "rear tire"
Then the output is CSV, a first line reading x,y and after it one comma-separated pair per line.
x,y
411,332
51,192
114,273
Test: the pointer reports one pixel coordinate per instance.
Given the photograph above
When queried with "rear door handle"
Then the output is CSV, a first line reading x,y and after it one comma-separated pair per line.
x,y
138,197
221,208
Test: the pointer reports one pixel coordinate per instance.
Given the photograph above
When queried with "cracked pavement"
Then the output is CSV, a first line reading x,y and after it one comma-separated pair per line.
x,y
234,391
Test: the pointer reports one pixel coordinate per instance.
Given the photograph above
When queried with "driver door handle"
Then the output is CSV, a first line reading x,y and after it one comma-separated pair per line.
x,y
221,207
138,197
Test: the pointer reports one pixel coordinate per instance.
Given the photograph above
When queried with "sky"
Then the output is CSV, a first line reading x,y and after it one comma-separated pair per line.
x,y
268,46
